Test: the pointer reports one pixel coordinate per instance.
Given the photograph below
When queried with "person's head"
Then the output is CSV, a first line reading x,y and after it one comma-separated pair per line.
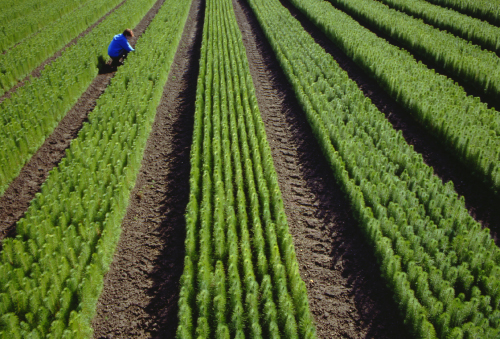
x,y
128,33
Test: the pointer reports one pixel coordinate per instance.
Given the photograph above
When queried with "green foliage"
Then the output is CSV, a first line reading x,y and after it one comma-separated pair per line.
x,y
459,57
36,108
54,268
440,265
462,123
483,9
17,28
477,31
247,281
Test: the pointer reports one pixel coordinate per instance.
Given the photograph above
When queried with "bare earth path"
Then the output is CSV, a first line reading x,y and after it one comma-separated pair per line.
x,y
17,197
140,294
480,201
346,294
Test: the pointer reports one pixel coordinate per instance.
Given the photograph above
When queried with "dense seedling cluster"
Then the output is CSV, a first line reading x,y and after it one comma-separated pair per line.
x,y
483,9
479,68
463,123
442,267
13,9
22,59
13,31
241,276
477,31
51,273
36,108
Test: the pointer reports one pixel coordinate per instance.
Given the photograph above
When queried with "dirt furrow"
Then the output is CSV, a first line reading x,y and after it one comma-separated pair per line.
x,y
16,199
346,294
37,71
140,294
479,199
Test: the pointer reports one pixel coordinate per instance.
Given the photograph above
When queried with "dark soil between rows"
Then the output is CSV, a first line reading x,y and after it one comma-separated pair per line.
x,y
481,202
141,289
37,71
17,197
347,296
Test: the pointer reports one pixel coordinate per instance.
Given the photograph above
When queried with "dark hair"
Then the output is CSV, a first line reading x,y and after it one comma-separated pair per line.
x,y
128,32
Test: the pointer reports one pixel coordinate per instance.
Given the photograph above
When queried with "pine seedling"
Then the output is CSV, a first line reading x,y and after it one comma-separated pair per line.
x,y
11,324
202,328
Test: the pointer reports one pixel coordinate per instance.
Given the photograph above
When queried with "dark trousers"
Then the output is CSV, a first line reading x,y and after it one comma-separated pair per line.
x,y
115,61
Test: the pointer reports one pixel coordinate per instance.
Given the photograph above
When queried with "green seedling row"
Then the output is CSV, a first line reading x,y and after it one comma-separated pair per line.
x,y
442,268
483,9
13,9
51,273
18,62
36,108
17,29
462,123
241,276
477,67
477,31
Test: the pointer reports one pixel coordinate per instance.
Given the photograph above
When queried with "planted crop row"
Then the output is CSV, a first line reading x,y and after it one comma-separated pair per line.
x,y
15,30
483,9
14,9
442,267
480,68
36,108
463,123
51,273
477,31
241,275
19,61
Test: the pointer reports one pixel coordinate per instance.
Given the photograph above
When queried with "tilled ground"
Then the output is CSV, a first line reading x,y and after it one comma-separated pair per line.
x,y
17,197
140,294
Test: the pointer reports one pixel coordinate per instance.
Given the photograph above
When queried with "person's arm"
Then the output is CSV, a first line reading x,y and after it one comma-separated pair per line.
x,y
125,45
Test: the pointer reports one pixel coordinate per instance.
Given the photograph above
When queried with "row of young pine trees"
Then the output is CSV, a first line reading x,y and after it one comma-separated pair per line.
x,y
441,266
51,273
464,125
241,276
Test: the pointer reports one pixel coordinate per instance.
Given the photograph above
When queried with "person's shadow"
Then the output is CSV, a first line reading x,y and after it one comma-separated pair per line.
x,y
105,67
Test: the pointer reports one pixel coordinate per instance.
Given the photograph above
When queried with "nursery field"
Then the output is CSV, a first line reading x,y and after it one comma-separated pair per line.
x,y
254,169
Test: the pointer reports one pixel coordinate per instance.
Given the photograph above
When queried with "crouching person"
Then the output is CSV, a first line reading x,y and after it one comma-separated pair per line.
x,y
120,47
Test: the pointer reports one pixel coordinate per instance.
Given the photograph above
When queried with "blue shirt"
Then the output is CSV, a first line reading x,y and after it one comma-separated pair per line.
x,y
118,45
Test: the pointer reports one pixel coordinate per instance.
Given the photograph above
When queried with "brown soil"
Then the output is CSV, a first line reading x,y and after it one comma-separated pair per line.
x,y
17,197
481,202
36,73
140,294
347,296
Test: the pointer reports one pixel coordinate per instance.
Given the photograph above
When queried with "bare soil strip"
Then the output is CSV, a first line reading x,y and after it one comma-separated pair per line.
x,y
346,293
480,201
141,289
17,197
36,73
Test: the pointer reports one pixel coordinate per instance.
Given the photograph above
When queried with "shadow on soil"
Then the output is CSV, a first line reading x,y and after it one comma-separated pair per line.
x,y
165,289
